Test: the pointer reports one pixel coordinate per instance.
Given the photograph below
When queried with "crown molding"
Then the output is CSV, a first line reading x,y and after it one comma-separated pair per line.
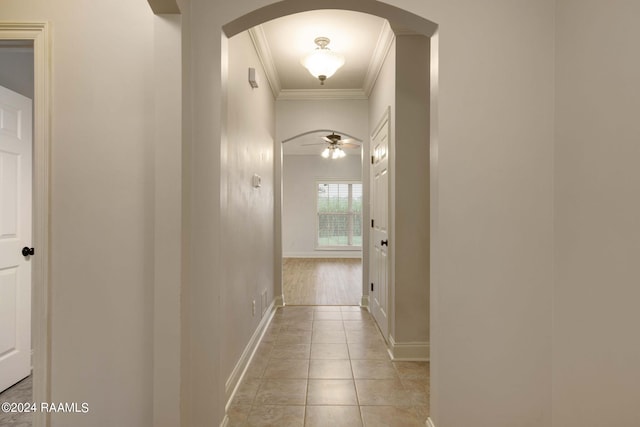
x,y
259,40
309,94
385,40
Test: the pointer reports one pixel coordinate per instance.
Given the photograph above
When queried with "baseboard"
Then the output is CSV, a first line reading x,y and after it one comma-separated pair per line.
x,y
225,421
364,301
234,380
323,254
409,351
279,301
430,422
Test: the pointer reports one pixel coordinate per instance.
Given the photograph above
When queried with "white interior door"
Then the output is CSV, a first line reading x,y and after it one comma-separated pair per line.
x,y
379,260
15,233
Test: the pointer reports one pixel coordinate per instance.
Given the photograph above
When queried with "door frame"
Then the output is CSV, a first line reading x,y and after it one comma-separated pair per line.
x,y
279,208
39,34
383,121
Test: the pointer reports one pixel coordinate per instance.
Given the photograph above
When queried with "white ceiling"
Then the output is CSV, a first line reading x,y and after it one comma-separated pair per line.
x,y
362,39
359,37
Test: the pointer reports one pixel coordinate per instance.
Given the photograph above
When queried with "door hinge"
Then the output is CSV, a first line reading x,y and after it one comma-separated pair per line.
x,y
372,159
372,287
371,223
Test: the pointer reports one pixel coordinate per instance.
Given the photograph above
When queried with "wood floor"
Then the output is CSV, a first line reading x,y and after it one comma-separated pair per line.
x,y
322,281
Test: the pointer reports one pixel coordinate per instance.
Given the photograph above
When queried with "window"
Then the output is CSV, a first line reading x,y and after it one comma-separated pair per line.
x,y
339,209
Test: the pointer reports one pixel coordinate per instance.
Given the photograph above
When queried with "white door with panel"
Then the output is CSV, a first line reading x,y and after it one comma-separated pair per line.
x,y
15,234
379,262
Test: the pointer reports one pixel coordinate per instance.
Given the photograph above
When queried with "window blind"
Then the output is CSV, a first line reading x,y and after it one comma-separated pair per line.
x,y
339,214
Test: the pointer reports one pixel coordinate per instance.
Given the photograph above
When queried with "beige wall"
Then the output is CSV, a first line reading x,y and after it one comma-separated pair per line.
x,y
168,216
410,153
383,94
294,117
492,296
595,308
403,87
300,174
491,319
247,212
101,207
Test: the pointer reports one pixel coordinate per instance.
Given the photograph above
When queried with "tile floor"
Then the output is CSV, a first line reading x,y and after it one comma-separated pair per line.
x,y
328,366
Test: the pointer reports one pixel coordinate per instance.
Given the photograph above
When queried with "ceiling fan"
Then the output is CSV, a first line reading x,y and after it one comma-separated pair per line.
x,y
334,149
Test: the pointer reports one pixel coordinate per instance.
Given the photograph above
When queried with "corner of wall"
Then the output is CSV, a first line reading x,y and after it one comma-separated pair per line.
x,y
364,301
414,351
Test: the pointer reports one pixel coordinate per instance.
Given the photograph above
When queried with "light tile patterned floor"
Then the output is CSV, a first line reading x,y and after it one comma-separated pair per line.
x,y
328,366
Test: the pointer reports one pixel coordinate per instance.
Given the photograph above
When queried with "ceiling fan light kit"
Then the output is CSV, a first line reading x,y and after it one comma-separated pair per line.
x,y
333,151
338,153
322,63
334,145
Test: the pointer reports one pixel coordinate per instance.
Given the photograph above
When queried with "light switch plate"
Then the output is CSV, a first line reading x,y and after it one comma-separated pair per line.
x,y
257,180
252,78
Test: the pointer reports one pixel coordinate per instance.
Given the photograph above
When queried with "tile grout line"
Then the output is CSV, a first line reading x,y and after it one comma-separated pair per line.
x,y
353,375
283,328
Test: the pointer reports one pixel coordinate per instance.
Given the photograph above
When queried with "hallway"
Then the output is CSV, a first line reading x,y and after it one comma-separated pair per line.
x,y
328,366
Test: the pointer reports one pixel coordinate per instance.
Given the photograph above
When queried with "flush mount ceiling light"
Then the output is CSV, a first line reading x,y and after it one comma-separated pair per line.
x,y
322,63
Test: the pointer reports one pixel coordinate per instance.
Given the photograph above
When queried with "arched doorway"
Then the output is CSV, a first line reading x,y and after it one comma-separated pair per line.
x,y
209,125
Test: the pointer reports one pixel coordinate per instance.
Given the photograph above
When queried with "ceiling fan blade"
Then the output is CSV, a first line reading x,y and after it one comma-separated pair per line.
x,y
326,139
352,144
314,143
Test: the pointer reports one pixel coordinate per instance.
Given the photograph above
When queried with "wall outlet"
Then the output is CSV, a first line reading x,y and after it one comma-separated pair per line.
x,y
253,307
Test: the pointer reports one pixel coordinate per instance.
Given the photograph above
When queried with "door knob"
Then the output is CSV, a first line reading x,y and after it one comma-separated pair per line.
x,y
384,243
28,251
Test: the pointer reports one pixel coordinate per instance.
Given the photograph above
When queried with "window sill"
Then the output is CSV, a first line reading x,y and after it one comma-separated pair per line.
x,y
339,248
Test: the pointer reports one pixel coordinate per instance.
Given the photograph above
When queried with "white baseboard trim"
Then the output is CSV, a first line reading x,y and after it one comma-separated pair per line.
x,y
430,422
364,301
409,351
323,254
279,301
225,421
234,380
